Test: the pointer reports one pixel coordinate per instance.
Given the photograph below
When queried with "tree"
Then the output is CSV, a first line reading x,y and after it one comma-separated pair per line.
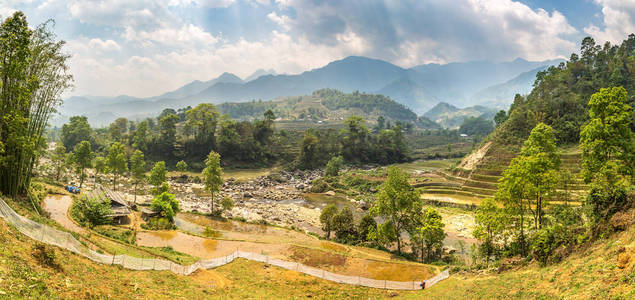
x,y
75,131
181,166
608,152
157,177
344,226
118,128
166,205
83,157
478,126
117,162
366,225
429,234
308,151
92,211
137,168
140,138
33,76
100,166
398,203
541,160
490,223
227,203
58,156
608,136
212,175
333,166
326,218
203,119
500,117
167,125
354,141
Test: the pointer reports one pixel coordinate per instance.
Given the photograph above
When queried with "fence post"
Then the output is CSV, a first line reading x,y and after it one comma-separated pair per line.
x,y
154,264
384,284
297,266
113,260
42,238
123,261
323,274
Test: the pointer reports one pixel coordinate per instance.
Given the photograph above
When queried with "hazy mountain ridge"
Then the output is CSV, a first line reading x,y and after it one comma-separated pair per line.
x,y
419,88
450,116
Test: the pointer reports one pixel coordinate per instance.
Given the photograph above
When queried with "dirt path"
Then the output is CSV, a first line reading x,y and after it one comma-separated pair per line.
x,y
57,206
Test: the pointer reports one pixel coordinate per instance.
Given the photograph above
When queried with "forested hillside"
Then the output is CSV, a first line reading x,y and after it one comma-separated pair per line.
x,y
561,93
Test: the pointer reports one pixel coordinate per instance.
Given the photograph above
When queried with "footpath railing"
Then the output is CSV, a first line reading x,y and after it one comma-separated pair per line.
x,y
52,236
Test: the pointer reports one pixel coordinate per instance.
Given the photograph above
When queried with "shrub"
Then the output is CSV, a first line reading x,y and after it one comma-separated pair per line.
x,y
158,223
319,186
166,204
333,166
45,255
92,212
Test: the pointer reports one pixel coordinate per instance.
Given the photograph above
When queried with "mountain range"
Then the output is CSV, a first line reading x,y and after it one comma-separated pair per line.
x,y
420,87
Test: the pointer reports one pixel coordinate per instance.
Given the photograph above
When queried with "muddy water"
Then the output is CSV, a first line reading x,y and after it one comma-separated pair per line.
x,y
202,247
58,206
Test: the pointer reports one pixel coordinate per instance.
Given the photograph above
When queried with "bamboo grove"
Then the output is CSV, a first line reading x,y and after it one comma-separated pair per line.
x,y
33,75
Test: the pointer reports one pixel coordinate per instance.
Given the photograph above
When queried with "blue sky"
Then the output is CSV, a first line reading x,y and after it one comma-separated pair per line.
x,y
147,47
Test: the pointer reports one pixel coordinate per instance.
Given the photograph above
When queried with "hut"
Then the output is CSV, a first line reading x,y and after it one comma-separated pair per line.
x,y
120,209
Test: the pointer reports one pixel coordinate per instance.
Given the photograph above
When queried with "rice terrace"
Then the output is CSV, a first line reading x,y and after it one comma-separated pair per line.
x,y
249,149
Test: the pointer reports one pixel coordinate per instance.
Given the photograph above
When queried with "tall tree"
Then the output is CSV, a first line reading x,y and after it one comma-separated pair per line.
x,y
59,154
168,129
212,175
608,152
490,223
137,168
101,167
326,218
157,177
429,234
398,203
33,76
140,138
117,162
75,131
355,140
203,118
83,158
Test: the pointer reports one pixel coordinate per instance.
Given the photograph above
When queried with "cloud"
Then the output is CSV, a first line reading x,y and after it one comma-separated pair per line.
x,y
619,21
282,21
101,45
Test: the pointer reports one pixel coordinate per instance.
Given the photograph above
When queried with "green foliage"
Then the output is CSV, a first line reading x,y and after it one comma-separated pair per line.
x,y
75,131
366,226
560,93
157,174
608,136
490,224
116,161
227,203
100,166
398,203
45,255
166,205
33,76
137,168
181,166
327,219
83,158
428,236
213,175
333,166
500,117
57,157
91,211
158,223
607,153
334,99
203,120
478,126
344,226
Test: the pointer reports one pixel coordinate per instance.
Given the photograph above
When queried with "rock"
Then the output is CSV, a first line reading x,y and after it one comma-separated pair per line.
x,y
330,193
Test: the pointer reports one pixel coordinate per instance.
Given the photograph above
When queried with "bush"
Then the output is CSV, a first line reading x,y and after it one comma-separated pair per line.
x,y
333,166
166,204
319,186
92,212
45,255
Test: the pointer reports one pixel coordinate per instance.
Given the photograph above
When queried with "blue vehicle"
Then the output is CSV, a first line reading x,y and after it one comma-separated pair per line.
x,y
73,189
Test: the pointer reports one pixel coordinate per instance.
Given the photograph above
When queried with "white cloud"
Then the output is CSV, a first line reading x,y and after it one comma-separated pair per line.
x,y
187,35
283,20
619,21
101,45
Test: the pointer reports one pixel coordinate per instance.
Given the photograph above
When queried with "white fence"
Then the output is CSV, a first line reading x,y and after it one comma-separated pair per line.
x,y
65,240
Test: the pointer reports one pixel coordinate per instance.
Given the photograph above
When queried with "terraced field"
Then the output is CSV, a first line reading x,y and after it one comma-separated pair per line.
x,y
470,186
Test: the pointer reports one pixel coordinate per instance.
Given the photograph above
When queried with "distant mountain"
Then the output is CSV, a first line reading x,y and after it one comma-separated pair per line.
x,y
258,73
197,86
502,95
450,116
419,88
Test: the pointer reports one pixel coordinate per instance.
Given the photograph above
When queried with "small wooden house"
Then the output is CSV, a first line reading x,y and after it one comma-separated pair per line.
x,y
120,209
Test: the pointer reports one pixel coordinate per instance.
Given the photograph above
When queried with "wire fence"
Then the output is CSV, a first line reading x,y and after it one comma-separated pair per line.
x,y
52,236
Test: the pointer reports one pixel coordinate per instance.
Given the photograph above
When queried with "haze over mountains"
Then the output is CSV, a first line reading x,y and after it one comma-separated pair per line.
x,y
420,88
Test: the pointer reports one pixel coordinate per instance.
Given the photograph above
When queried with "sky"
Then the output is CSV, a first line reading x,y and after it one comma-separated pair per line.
x,y
147,47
